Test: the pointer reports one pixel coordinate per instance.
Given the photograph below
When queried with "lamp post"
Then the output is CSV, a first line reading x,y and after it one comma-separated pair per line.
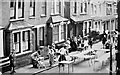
x,y
118,52
110,49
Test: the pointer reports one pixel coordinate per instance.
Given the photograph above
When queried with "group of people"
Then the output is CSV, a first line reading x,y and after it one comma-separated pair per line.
x,y
81,42
108,39
69,46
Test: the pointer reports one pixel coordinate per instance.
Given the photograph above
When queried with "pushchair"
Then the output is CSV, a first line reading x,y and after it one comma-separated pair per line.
x,y
38,62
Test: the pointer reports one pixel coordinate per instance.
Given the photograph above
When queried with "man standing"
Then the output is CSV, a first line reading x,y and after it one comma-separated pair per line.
x,y
11,58
104,41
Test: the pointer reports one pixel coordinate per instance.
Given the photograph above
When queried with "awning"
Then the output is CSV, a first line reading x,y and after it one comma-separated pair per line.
x,y
56,19
80,18
18,25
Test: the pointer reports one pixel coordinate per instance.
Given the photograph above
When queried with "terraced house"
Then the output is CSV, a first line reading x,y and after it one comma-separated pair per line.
x,y
91,15
27,24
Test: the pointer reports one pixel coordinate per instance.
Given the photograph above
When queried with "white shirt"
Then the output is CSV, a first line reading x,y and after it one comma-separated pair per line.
x,y
63,51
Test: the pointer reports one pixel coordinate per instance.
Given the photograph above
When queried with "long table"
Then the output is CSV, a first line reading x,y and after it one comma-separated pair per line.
x,y
104,58
102,49
82,55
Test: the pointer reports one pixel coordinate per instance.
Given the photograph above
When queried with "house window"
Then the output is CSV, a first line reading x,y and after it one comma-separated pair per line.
x,y
109,9
41,36
83,8
44,5
53,8
16,42
32,7
92,8
20,8
12,9
100,8
85,28
26,40
56,33
95,9
115,9
75,7
62,32
16,9
58,6
12,4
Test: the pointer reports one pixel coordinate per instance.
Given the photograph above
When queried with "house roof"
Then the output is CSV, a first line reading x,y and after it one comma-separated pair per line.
x,y
18,25
56,19
81,18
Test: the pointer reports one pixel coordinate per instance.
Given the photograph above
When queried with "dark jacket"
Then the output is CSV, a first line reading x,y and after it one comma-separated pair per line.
x,y
104,40
73,46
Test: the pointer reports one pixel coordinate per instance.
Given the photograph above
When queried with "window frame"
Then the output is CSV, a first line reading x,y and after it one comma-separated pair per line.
x,y
58,7
52,7
62,32
16,42
24,40
83,8
44,6
56,33
32,6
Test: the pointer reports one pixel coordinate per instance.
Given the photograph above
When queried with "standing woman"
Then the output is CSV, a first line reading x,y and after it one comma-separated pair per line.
x,y
51,56
90,43
11,58
104,41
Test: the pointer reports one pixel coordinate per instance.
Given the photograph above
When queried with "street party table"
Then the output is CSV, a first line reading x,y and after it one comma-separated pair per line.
x,y
82,55
102,49
68,63
104,58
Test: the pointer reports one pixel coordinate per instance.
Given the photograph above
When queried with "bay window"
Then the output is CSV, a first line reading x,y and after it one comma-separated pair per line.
x,y
56,33
62,32
41,36
26,40
16,42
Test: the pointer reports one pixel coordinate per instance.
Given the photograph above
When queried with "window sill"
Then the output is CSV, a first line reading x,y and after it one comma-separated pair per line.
x,y
17,19
83,13
74,14
43,15
32,17
62,40
55,14
23,53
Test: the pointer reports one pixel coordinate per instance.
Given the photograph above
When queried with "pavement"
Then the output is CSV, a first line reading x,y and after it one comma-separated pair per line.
x,y
79,66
